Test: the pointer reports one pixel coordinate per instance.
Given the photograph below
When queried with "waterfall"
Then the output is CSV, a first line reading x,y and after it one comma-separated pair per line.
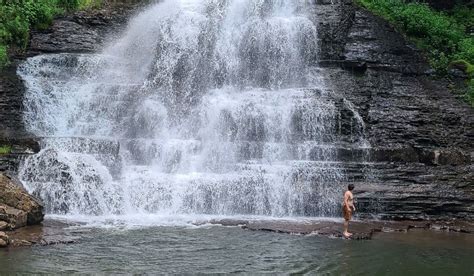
x,y
200,107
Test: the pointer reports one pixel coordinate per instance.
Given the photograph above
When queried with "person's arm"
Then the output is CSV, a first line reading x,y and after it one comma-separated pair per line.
x,y
352,203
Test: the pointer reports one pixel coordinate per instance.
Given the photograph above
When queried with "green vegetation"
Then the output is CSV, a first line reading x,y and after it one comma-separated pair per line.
x,y
79,4
443,36
88,4
17,17
3,55
4,149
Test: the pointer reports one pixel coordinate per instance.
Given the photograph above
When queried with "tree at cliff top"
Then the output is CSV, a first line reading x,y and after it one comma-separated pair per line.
x,y
17,17
445,36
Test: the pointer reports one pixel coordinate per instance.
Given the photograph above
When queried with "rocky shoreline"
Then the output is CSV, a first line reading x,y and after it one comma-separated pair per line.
x,y
53,232
49,232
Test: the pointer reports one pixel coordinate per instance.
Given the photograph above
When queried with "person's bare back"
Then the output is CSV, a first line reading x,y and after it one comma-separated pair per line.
x,y
349,199
347,209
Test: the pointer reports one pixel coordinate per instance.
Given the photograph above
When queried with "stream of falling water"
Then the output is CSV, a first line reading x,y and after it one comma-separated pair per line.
x,y
200,107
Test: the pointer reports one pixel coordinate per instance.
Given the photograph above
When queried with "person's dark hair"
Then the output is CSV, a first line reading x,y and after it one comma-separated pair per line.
x,y
350,187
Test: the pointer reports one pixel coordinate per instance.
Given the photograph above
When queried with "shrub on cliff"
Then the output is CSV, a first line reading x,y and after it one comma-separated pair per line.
x,y
5,149
443,35
3,54
79,4
18,16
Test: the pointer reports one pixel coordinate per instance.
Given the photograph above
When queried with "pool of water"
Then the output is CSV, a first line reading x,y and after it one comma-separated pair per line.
x,y
217,249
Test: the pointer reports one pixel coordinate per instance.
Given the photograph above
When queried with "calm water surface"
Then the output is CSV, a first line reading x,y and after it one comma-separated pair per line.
x,y
231,249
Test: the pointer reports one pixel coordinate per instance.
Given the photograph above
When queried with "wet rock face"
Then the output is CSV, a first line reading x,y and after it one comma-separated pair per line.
x,y
11,104
65,36
421,134
84,31
12,128
17,207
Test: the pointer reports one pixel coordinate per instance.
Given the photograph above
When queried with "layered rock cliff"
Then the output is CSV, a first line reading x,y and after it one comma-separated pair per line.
x,y
421,133
419,163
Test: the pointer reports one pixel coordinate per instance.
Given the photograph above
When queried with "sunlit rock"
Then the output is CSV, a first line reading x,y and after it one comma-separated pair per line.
x,y
17,207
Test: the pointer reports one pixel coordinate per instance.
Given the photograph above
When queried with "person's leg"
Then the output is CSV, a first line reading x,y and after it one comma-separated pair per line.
x,y
346,226
346,229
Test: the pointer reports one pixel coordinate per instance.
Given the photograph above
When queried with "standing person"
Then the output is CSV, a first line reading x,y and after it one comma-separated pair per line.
x,y
347,209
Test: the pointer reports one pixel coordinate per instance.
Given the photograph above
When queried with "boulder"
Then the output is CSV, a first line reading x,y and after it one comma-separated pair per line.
x,y
13,217
4,240
3,225
15,202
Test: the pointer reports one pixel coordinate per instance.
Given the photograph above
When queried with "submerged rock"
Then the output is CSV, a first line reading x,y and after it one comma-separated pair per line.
x,y
48,233
17,207
362,230
19,243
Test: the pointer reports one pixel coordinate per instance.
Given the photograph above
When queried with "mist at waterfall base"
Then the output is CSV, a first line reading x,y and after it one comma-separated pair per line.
x,y
201,107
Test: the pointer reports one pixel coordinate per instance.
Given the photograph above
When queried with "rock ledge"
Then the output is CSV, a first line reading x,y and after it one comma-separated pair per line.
x,y
17,208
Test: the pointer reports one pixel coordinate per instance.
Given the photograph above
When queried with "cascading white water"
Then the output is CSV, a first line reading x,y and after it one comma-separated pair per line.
x,y
201,107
